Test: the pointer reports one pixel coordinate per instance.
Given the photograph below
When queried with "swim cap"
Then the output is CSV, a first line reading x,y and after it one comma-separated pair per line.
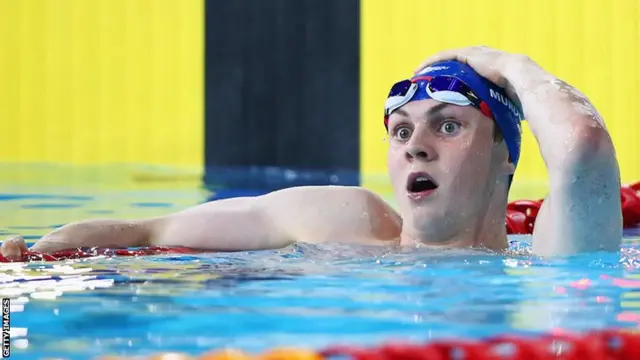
x,y
457,83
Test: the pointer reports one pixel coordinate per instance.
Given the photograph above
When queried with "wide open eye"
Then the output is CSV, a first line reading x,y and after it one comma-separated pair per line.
x,y
402,133
449,127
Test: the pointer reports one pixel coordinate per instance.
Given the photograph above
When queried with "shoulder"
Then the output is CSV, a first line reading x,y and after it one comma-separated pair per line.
x,y
344,200
333,213
319,195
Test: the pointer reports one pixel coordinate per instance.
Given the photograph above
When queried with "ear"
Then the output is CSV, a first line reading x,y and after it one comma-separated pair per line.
x,y
506,165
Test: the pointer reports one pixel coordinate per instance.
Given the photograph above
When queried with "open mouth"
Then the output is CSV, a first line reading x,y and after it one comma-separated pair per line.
x,y
420,182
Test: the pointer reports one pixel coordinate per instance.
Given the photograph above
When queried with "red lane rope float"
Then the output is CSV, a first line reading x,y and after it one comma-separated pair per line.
x,y
596,345
520,219
604,345
630,196
521,214
85,253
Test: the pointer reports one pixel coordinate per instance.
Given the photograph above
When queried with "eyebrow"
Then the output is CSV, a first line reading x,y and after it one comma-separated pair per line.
x,y
431,113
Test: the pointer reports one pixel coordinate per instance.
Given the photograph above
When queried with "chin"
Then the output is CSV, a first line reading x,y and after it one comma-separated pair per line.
x,y
424,213
434,224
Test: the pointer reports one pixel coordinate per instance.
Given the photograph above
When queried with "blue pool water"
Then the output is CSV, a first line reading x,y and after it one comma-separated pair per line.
x,y
303,295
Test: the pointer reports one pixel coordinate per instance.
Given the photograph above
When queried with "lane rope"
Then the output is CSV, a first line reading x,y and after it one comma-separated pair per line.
x,y
520,219
597,345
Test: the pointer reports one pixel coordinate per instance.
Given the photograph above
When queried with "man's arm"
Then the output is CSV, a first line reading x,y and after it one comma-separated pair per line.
x,y
582,211
223,225
274,220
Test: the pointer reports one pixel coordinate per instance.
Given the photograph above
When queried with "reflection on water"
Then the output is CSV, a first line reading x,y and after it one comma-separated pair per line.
x,y
302,295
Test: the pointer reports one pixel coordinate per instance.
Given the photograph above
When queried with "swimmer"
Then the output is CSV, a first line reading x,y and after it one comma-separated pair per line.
x,y
454,145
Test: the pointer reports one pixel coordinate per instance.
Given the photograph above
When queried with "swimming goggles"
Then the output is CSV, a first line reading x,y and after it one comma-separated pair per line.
x,y
443,88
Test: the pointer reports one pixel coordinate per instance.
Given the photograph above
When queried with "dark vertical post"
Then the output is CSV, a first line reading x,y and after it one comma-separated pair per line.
x,y
282,93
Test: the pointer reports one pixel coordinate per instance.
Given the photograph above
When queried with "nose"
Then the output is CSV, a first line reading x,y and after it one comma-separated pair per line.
x,y
419,150
416,152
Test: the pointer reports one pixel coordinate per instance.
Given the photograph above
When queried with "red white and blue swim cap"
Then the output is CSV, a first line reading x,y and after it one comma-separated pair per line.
x,y
457,83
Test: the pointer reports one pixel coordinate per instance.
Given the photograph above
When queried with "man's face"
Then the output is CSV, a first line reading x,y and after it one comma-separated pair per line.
x,y
444,165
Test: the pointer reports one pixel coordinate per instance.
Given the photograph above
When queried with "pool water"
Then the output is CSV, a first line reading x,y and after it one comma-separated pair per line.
x,y
303,295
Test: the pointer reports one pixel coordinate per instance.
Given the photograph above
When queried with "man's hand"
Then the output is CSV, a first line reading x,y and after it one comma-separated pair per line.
x,y
492,64
13,247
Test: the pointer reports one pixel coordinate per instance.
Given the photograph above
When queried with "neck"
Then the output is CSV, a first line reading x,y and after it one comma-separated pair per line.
x,y
491,236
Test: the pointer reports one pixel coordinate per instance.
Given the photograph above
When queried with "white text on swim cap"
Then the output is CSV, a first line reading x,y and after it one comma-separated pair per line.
x,y
506,102
433,68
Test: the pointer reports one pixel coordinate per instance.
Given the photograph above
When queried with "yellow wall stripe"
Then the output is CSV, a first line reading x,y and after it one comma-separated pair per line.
x,y
592,44
102,81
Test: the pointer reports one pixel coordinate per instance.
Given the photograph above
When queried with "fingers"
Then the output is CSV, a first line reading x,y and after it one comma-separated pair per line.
x,y
452,54
459,54
13,247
